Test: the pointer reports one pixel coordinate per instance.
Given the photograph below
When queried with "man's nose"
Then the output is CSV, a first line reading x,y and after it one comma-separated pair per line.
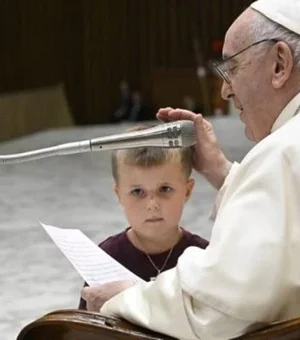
x,y
226,91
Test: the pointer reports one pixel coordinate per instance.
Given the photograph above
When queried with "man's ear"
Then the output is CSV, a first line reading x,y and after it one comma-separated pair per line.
x,y
283,64
189,188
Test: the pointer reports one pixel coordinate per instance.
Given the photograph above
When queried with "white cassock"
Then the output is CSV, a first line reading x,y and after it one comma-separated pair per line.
x,y
249,275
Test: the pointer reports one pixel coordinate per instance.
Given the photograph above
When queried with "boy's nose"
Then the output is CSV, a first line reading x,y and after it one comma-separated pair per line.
x,y
153,204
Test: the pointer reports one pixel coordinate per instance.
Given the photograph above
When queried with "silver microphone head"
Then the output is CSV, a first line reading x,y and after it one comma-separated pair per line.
x,y
175,134
181,133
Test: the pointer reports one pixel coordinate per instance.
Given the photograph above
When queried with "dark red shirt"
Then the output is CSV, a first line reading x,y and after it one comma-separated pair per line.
x,y
122,250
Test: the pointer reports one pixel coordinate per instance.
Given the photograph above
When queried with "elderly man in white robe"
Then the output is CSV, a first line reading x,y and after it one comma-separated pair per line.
x,y
249,275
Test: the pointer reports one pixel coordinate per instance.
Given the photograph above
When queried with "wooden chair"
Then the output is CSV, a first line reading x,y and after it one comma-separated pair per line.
x,y
82,325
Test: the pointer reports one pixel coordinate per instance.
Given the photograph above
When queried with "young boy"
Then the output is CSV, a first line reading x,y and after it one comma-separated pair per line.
x,y
152,184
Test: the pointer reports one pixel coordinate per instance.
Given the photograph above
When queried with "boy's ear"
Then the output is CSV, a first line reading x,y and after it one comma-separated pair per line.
x,y
116,190
189,188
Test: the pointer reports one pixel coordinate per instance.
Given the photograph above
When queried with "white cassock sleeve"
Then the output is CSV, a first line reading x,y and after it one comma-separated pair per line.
x,y
237,283
221,192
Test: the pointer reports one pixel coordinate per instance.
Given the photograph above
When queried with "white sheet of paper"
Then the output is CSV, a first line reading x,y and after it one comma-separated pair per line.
x,y
93,264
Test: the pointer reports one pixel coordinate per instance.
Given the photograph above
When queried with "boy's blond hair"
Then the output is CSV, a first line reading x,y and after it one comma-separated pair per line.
x,y
147,157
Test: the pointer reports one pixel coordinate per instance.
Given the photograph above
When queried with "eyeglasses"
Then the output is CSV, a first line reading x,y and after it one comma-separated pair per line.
x,y
221,67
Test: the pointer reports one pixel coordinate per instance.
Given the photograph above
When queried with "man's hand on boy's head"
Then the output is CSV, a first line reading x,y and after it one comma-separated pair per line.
x,y
209,159
96,296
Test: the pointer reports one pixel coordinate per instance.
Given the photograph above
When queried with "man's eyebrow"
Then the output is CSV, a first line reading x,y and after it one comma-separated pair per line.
x,y
231,59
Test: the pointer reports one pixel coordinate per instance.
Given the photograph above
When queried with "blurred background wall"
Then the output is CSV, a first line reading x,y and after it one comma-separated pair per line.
x,y
88,47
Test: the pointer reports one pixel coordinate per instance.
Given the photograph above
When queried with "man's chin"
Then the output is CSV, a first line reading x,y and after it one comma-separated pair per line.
x,y
249,134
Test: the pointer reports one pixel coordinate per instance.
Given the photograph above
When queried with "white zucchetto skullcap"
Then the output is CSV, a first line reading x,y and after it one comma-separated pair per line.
x,y
284,12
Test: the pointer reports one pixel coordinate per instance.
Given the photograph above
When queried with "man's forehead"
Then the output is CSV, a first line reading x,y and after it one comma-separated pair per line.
x,y
236,39
237,36
231,46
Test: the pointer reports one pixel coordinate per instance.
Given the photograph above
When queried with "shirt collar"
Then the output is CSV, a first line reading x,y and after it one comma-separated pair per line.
x,y
287,113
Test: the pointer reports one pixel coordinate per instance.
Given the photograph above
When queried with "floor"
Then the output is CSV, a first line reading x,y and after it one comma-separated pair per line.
x,y
70,192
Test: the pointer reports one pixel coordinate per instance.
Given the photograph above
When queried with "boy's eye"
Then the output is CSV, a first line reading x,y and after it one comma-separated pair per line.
x,y
165,189
137,192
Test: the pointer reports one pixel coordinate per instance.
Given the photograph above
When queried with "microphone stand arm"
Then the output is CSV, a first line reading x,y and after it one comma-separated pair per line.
x,y
58,150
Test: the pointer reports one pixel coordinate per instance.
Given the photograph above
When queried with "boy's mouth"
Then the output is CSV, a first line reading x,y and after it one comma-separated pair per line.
x,y
154,219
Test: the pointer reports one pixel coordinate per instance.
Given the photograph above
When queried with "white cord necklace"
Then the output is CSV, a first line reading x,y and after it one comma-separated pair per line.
x,y
153,278
159,270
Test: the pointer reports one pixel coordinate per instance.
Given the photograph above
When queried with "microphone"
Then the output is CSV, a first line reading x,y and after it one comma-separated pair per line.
x,y
175,134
